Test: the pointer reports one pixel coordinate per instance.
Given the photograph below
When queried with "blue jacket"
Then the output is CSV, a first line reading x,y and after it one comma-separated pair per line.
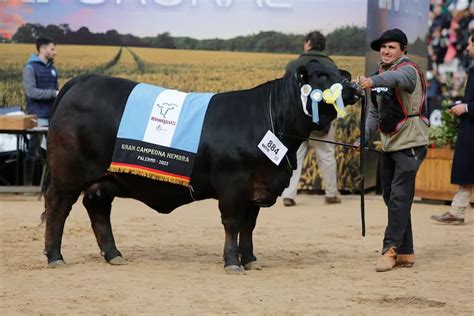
x,y
40,81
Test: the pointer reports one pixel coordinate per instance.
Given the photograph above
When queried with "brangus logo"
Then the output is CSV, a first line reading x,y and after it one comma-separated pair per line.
x,y
166,107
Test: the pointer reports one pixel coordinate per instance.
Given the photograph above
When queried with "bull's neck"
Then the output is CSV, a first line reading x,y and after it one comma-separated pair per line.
x,y
287,112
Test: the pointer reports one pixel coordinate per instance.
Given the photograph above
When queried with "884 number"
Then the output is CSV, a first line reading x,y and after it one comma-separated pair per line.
x,y
273,147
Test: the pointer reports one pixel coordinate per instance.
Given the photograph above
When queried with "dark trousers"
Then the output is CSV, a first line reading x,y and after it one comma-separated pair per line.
x,y
398,171
33,154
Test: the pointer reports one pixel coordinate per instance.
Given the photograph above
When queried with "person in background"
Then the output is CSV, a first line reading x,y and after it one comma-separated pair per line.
x,y
462,171
40,82
398,108
314,46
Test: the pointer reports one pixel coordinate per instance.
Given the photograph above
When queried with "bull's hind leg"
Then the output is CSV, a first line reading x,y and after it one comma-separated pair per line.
x,y
58,204
248,259
98,202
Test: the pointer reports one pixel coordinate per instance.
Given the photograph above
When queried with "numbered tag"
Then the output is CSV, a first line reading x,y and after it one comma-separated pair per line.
x,y
272,147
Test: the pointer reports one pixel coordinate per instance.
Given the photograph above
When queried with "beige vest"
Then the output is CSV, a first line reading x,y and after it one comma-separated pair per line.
x,y
415,131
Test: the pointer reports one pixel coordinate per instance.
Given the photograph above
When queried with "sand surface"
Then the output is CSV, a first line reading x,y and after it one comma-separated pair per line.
x,y
313,256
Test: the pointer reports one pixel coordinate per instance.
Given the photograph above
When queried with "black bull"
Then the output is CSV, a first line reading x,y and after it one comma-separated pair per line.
x,y
228,167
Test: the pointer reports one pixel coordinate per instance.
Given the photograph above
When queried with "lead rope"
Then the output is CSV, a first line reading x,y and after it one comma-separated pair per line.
x,y
273,128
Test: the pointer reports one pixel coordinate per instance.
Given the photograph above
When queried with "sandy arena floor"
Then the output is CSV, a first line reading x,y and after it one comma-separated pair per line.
x,y
314,258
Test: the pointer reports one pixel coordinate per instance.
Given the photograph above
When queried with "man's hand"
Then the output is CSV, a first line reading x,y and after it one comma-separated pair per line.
x,y
357,144
458,109
365,83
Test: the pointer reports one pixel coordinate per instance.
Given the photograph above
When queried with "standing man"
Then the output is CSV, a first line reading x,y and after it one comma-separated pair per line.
x,y
398,109
314,46
40,82
462,172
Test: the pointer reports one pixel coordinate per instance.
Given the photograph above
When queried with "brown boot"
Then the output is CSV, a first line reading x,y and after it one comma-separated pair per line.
x,y
406,260
289,202
332,200
387,261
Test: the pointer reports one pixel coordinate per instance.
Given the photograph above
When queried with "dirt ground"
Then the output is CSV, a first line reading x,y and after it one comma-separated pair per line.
x,y
313,256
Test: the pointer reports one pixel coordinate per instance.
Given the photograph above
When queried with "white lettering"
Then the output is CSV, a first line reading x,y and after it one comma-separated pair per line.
x,y
396,5
92,1
177,157
277,4
168,3
223,3
414,7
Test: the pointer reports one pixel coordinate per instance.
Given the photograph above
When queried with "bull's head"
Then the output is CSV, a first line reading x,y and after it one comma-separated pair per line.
x,y
325,89
351,92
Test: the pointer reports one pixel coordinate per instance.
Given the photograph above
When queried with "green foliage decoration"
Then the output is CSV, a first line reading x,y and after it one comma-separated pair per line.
x,y
446,134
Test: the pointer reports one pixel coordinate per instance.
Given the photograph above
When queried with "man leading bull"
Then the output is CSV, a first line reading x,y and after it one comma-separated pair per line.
x,y
397,107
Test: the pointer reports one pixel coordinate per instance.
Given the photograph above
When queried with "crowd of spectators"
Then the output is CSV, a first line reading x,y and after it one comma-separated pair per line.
x,y
451,23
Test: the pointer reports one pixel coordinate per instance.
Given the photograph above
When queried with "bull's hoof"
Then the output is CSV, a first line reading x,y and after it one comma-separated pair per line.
x,y
234,270
253,265
57,264
118,261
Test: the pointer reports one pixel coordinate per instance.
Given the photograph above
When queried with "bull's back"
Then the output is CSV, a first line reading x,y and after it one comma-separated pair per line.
x,y
85,122
237,120
97,99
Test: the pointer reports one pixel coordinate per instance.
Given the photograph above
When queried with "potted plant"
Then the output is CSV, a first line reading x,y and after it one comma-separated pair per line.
x,y
433,180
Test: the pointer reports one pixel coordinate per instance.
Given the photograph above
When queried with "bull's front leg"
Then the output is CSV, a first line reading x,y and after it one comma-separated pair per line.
x,y
248,259
99,209
231,216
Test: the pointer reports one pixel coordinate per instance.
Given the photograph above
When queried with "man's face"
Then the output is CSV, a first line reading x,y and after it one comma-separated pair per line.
x,y
307,46
470,47
390,52
48,51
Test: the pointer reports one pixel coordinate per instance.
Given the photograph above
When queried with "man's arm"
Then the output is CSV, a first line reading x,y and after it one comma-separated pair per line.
x,y
462,108
470,109
29,84
404,78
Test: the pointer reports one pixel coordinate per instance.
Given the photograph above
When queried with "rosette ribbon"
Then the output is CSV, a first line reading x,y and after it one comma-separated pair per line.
x,y
332,95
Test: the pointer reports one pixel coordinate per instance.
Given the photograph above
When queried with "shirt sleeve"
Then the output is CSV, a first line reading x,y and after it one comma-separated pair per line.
x,y
470,110
403,78
29,84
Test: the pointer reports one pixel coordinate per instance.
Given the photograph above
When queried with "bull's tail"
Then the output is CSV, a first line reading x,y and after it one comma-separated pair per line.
x,y
44,189
42,218
68,85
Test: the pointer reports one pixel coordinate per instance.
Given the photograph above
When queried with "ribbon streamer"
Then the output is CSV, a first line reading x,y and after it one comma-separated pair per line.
x,y
316,96
339,102
330,97
305,91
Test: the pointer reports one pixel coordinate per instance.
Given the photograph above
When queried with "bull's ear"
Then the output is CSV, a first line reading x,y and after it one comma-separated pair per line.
x,y
302,74
346,74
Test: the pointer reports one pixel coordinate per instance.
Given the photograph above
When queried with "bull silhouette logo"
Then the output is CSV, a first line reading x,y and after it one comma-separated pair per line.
x,y
165,107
